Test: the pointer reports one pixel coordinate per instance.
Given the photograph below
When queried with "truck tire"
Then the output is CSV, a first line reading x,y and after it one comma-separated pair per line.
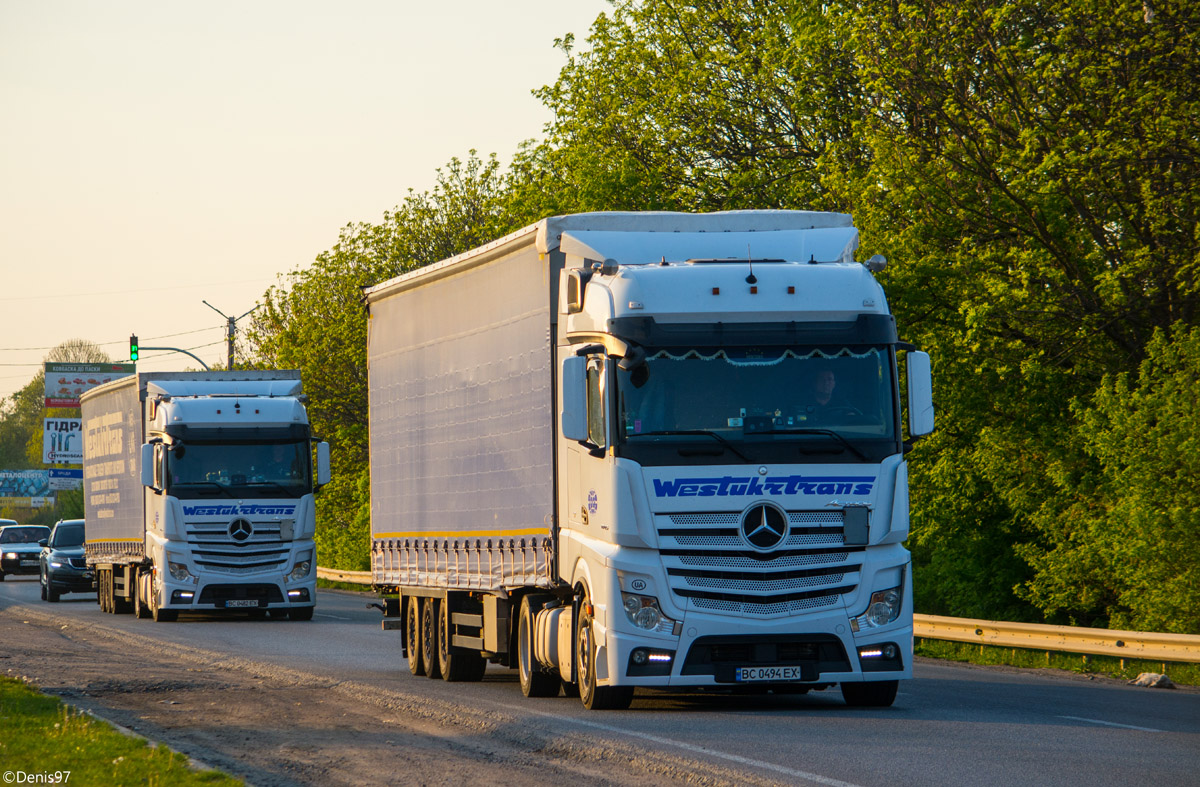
x,y
536,681
102,589
412,637
429,636
301,613
456,664
878,694
593,695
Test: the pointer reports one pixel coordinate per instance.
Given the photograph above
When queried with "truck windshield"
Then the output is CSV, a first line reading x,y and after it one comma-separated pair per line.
x,y
242,470
732,405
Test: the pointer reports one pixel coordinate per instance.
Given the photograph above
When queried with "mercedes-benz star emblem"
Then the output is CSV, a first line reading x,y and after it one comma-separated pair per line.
x,y
764,526
240,529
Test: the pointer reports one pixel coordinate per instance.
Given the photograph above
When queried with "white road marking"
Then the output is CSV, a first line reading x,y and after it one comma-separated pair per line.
x,y
691,747
327,615
1112,724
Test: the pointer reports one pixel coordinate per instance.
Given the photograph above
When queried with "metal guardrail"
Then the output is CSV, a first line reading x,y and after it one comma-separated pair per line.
x,y
1068,639
352,577
1031,636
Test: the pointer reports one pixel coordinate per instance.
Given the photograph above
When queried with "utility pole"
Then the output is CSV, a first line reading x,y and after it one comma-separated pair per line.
x,y
230,329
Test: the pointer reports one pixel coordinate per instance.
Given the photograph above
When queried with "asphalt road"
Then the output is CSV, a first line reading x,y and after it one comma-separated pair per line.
x,y
952,725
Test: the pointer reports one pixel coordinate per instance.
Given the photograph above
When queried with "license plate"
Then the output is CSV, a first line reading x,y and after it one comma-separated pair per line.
x,y
242,602
751,674
29,562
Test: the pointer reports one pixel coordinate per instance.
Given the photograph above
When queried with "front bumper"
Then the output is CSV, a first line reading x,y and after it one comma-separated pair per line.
x,y
66,580
21,564
225,593
719,652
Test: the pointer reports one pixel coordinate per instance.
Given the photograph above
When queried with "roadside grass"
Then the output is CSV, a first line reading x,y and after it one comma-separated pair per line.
x,y
1112,666
43,741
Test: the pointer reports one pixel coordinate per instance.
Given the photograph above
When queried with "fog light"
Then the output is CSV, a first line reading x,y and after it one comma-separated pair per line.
x,y
647,662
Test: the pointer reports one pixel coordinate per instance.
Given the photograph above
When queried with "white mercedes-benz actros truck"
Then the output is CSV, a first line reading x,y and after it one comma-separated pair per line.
x,y
665,450
198,493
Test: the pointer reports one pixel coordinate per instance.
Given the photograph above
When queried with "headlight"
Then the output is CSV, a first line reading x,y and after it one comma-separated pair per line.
x,y
55,564
644,612
179,571
301,570
883,609
10,555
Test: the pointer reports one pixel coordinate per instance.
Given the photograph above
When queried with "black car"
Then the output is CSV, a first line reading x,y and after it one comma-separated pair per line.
x,y
63,567
20,546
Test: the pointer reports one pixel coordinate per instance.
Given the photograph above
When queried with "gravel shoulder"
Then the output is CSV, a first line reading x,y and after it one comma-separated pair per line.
x,y
273,726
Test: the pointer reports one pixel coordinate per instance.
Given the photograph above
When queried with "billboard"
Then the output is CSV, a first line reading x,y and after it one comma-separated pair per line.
x,y
62,441
65,382
66,478
25,488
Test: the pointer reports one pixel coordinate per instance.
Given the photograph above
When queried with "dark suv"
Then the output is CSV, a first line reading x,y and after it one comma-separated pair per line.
x,y
19,548
63,567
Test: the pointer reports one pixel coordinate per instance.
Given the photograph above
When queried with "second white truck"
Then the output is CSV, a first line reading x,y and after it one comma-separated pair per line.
x,y
621,450
198,493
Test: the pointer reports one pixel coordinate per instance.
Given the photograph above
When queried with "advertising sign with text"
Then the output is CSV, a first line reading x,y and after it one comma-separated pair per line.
x,y
62,441
66,382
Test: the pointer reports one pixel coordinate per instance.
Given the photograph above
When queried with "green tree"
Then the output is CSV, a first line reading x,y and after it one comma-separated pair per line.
x,y
1034,173
1126,544
705,105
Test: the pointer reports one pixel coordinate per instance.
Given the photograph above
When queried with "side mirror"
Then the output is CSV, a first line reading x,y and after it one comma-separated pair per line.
x,y
148,465
920,394
573,417
323,471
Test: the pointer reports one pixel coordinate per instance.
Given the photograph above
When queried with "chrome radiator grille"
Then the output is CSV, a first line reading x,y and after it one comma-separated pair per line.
x,y
214,548
711,567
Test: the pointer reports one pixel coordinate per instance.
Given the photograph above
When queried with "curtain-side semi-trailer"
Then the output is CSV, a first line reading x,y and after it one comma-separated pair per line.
x,y
648,449
198,493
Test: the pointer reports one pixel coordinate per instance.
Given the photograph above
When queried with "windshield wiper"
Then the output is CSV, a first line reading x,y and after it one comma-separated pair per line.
x,y
704,432
219,487
820,432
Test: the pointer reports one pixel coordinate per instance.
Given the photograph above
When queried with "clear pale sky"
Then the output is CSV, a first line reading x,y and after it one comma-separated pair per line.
x,y
157,154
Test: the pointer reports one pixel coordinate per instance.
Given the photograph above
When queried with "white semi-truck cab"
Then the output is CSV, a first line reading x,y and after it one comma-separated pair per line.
x,y
733,461
224,516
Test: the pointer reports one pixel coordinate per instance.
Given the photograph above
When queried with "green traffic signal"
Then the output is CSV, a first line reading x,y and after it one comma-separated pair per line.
x,y
133,347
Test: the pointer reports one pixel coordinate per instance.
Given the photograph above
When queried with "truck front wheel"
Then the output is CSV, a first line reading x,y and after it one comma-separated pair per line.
x,y
878,694
593,695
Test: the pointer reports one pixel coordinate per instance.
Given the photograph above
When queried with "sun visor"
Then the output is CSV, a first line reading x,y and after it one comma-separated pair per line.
x,y
827,244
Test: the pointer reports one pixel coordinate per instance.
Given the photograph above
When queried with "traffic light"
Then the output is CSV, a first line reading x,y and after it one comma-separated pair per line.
x,y
133,347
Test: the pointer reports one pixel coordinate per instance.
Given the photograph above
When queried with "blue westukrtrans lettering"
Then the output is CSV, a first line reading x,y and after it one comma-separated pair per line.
x,y
734,486
245,510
